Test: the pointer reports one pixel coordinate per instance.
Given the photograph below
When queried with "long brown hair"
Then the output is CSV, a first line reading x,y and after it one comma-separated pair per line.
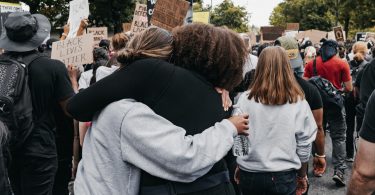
x,y
153,42
274,82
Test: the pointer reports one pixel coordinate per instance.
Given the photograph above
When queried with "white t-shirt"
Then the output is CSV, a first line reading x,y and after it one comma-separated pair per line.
x,y
84,80
251,64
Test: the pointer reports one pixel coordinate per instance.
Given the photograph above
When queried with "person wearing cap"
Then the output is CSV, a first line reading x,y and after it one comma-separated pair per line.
x,y
34,163
312,96
329,66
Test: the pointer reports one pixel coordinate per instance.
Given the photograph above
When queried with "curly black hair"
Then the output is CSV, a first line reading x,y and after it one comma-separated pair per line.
x,y
216,53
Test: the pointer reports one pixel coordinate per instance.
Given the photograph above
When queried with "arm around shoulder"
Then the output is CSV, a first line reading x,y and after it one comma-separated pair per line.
x,y
162,149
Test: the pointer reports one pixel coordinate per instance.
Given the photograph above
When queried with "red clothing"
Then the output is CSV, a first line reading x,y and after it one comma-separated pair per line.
x,y
336,70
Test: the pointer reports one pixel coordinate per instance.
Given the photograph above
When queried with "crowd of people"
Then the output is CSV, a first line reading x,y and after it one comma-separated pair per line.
x,y
155,113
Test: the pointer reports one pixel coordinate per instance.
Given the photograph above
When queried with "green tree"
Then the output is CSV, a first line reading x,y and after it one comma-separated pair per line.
x,y
110,13
311,14
231,16
325,14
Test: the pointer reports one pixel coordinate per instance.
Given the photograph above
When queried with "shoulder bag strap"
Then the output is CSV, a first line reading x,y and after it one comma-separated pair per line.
x,y
315,72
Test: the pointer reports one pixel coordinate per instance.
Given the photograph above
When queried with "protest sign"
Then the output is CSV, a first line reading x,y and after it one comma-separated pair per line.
x,y
292,26
126,27
10,7
314,35
150,9
339,33
370,36
169,14
5,9
76,51
203,17
271,33
360,36
139,19
78,10
99,33
292,34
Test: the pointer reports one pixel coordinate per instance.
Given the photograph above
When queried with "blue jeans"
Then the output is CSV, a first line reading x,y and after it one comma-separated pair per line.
x,y
268,183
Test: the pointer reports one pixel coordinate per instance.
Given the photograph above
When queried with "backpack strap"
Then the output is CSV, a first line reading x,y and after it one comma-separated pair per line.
x,y
315,72
29,59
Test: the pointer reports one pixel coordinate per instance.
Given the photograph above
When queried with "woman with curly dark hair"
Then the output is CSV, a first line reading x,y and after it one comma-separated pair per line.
x,y
187,98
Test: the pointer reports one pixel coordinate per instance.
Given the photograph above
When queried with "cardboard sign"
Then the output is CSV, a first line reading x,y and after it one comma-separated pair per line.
x,y
10,7
150,10
271,33
370,36
99,33
292,26
314,35
76,51
139,19
202,17
78,10
169,14
7,8
339,33
361,36
126,27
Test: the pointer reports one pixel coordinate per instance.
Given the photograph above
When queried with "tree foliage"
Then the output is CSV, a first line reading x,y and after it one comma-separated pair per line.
x,y
110,13
231,16
324,14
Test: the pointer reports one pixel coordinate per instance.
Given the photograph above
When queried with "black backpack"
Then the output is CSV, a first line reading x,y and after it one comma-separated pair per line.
x,y
15,97
331,97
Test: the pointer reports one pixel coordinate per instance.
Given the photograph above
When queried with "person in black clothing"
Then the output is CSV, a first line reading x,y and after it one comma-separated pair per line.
x,y
364,85
64,142
362,180
34,163
4,184
357,64
186,98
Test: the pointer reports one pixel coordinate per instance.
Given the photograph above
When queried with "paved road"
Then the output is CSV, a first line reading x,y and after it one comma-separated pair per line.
x,y
325,185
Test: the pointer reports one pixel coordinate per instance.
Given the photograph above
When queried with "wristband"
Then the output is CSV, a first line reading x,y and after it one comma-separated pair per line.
x,y
64,34
320,156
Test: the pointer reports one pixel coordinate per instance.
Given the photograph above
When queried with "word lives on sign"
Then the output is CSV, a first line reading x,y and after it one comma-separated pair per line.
x,y
76,51
140,21
99,33
169,14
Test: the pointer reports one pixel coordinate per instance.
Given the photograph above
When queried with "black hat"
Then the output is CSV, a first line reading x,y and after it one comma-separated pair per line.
x,y
24,32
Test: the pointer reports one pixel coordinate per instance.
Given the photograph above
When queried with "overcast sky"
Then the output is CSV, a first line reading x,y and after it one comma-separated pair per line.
x,y
260,9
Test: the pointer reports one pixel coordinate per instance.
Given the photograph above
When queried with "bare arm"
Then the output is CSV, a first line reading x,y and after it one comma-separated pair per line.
x,y
320,137
363,177
348,86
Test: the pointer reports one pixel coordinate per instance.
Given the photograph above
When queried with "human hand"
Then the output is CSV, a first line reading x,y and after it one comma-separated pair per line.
x,y
84,23
73,72
66,29
237,175
302,185
241,122
227,102
319,164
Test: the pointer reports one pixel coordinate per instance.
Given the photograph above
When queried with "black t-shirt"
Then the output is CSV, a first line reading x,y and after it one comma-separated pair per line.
x,y
368,126
367,82
49,84
312,94
181,96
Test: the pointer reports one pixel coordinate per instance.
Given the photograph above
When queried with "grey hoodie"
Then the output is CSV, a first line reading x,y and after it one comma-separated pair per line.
x,y
128,136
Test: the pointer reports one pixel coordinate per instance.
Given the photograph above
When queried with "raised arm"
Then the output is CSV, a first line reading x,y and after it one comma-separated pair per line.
x,y
162,149
133,81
